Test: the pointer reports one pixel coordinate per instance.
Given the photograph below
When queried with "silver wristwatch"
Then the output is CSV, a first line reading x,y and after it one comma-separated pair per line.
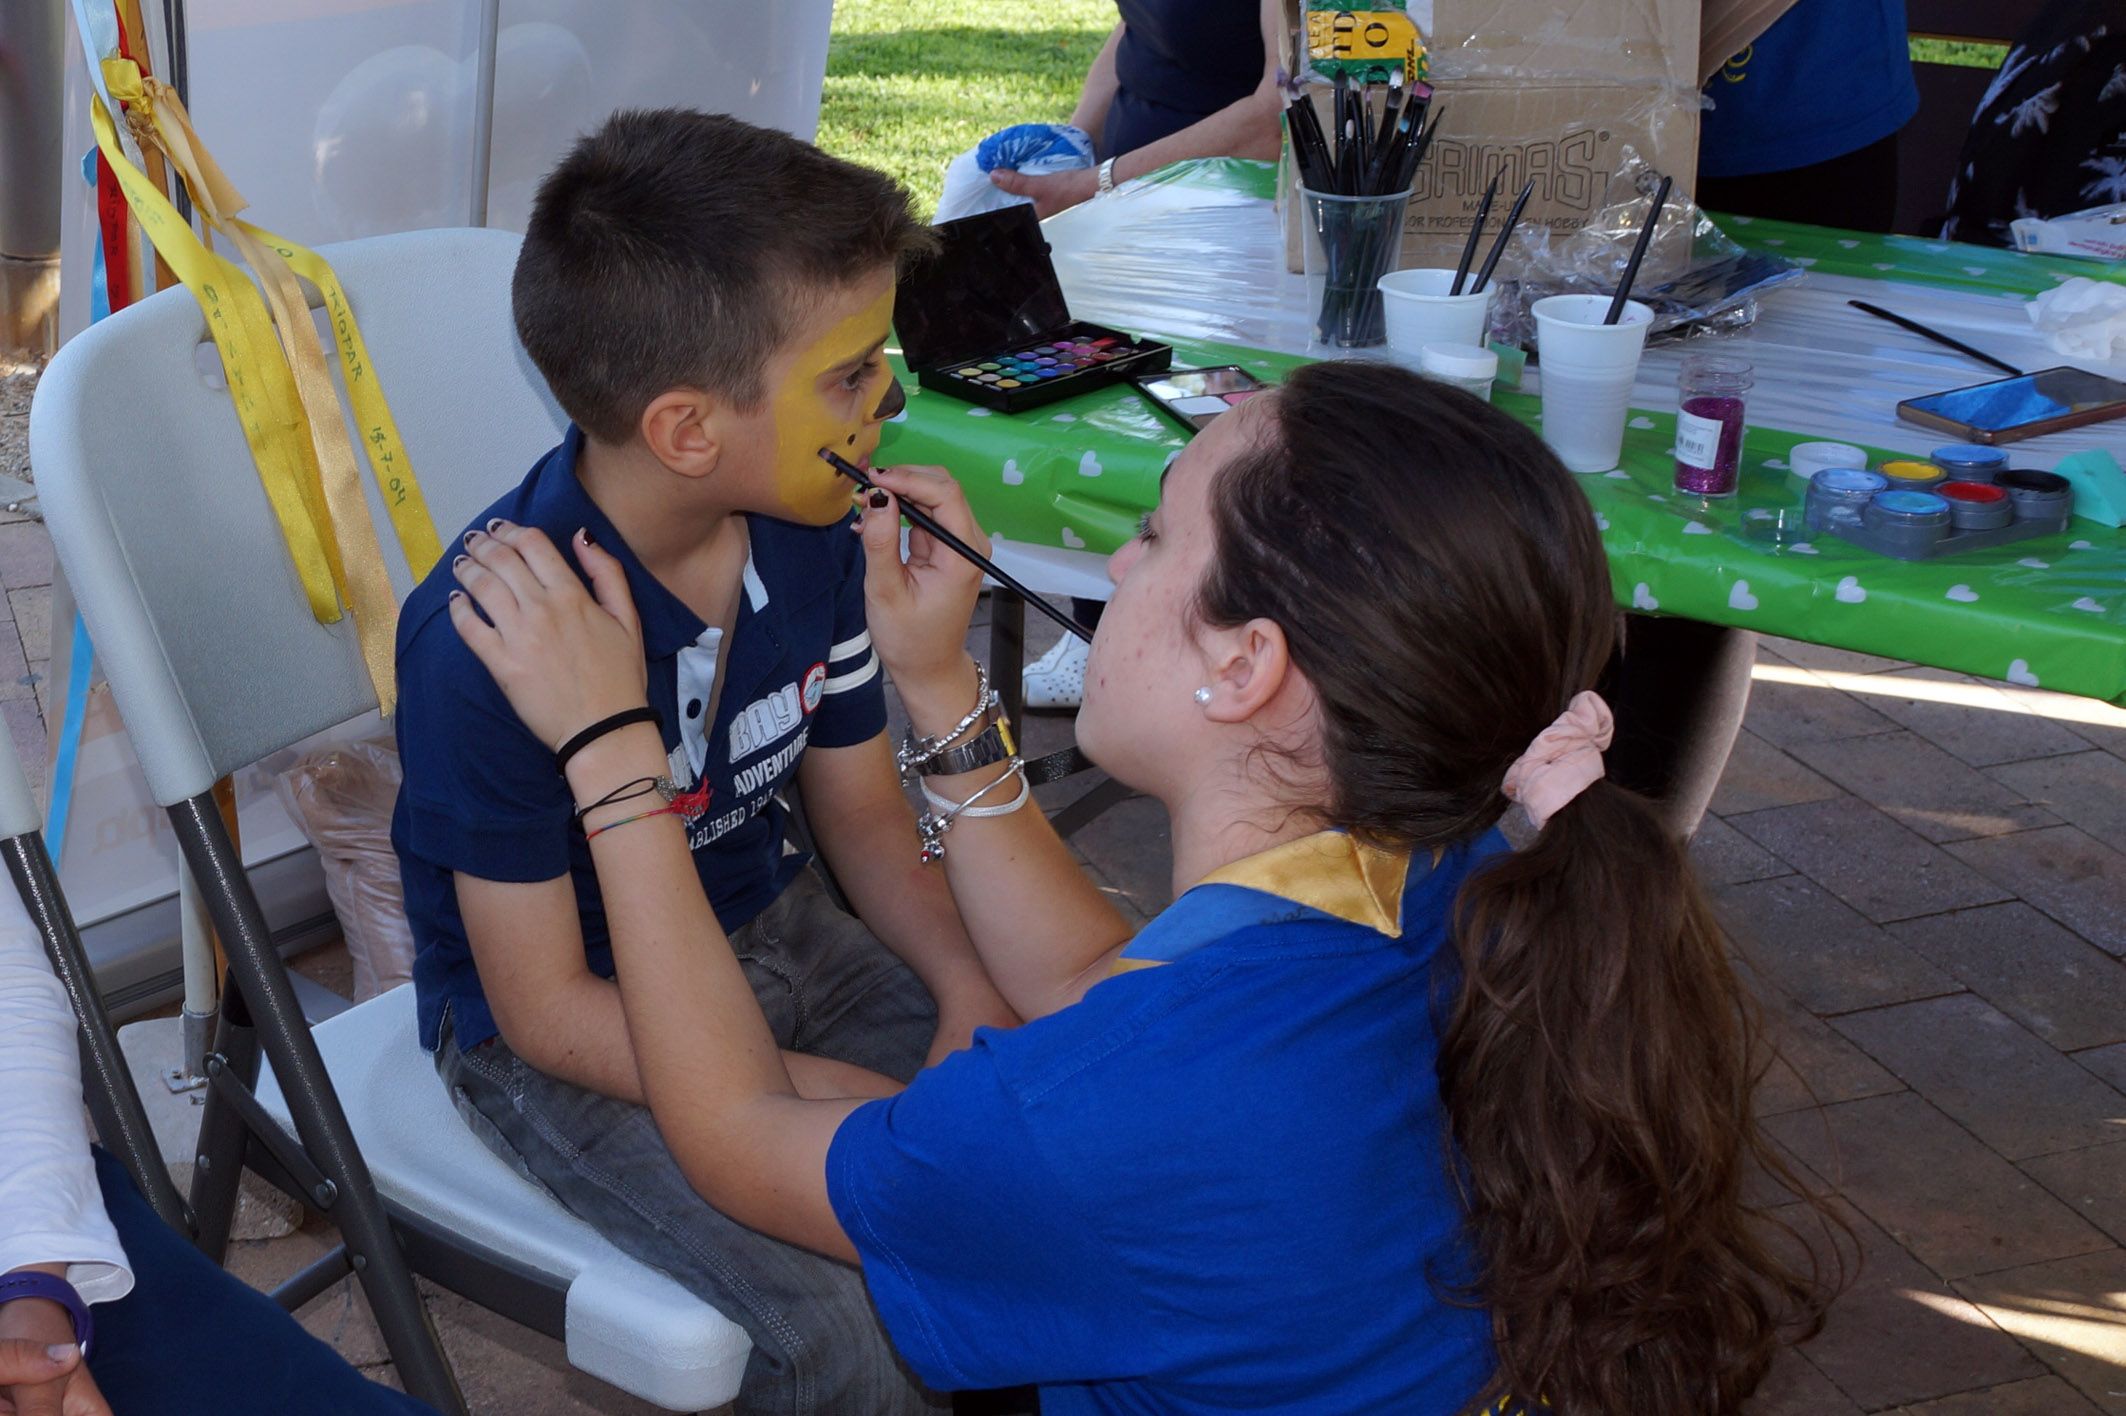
x,y
1104,180
991,745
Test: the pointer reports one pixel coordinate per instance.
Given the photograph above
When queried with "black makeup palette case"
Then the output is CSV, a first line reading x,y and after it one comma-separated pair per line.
x,y
984,320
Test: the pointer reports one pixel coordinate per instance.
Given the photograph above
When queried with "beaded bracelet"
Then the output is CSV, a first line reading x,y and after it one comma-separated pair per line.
x,y
914,751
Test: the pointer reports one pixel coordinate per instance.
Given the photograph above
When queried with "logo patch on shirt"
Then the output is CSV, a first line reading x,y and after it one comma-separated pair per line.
x,y
765,720
815,686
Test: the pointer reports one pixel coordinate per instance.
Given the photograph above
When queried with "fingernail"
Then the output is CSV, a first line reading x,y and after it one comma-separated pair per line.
x,y
62,1351
471,536
879,499
585,533
459,563
491,525
457,594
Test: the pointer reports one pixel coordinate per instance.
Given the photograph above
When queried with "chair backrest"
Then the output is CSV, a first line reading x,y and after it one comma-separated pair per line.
x,y
163,529
1931,145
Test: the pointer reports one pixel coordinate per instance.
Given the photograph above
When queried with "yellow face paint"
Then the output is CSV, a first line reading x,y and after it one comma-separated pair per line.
x,y
824,402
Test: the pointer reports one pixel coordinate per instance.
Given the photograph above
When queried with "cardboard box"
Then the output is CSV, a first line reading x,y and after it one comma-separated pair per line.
x,y
1549,91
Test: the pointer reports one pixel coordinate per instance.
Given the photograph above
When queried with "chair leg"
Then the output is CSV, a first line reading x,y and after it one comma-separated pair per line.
x,y
218,1153
1007,650
114,1103
352,1201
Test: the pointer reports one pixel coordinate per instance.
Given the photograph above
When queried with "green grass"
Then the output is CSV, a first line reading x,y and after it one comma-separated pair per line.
x,y
912,83
1951,51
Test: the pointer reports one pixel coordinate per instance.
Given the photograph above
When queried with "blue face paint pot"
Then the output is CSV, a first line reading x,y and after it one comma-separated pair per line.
x,y
1837,495
1907,521
1969,462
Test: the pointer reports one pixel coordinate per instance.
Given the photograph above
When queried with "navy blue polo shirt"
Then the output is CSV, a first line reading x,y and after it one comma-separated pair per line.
x,y
481,794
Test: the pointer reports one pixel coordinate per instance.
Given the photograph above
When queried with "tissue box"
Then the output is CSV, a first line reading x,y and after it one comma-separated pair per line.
x,y
2098,234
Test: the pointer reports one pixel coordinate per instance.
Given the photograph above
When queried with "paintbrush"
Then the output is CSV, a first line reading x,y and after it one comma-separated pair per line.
x,y
1513,217
1476,234
1638,252
927,522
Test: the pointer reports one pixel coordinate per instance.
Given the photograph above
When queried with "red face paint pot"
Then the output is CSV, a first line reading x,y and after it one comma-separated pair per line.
x,y
1976,506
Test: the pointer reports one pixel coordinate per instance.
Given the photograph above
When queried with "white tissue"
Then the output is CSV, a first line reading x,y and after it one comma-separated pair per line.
x,y
2083,319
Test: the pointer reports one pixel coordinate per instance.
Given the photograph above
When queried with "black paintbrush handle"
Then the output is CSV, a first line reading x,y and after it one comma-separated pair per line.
x,y
1476,234
1638,252
1936,335
1498,248
988,567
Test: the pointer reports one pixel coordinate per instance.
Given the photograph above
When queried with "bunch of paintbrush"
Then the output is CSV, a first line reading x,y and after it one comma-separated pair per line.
x,y
1361,173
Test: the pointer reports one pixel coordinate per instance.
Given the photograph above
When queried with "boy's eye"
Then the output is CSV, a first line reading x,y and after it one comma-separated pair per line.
x,y
1144,528
862,375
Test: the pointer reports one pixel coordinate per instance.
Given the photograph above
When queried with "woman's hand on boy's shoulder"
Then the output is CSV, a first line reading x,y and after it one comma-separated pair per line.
x,y
563,659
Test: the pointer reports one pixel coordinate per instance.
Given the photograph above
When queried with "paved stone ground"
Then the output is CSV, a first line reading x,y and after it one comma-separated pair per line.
x,y
1925,878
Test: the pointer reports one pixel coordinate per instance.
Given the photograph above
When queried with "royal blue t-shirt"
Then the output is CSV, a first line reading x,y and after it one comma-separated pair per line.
x,y
481,794
1218,1183
1828,78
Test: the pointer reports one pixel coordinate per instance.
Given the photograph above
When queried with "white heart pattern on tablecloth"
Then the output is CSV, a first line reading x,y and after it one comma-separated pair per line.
x,y
1884,265
1777,464
2085,603
1012,475
1850,245
1962,594
1850,591
2081,545
1064,418
1974,270
1642,423
1073,540
1696,528
1803,261
978,412
2019,672
1803,548
1642,597
2034,563
1089,466
1601,522
1617,474
1740,598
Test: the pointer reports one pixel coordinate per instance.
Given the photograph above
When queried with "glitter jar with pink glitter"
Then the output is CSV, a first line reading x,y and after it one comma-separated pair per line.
x,y
1713,390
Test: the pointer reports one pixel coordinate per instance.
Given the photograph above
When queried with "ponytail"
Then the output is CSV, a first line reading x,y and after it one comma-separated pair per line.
x,y
1598,1072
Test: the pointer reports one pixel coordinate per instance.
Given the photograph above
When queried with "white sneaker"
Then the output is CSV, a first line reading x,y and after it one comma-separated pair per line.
x,y
1056,680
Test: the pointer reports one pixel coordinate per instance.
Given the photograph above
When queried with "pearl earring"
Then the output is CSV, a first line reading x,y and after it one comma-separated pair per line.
x,y
1203,694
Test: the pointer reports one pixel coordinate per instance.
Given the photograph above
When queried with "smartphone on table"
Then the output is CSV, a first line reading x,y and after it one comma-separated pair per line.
x,y
1195,397
2025,406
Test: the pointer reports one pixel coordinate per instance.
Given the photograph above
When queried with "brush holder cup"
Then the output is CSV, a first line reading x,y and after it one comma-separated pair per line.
x,y
1351,242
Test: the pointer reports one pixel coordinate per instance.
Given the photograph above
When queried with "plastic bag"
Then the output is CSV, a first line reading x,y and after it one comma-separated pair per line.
x,y
1717,291
341,800
1036,149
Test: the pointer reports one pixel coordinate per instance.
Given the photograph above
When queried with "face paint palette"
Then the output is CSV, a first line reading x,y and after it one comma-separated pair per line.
x,y
984,320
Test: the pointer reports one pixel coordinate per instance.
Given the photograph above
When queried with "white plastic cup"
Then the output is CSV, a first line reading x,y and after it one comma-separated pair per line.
x,y
1421,312
1588,368
1469,367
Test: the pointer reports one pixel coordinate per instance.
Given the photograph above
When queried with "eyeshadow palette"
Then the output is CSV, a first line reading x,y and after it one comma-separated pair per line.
x,y
984,320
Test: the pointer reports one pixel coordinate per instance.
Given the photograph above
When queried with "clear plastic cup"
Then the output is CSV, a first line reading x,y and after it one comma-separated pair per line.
x,y
1420,312
1351,242
1588,368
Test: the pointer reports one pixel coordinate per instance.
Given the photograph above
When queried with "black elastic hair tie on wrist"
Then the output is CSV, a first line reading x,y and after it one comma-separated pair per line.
x,y
600,728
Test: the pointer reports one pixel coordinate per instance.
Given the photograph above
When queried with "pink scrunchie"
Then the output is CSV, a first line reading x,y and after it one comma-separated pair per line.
x,y
1564,760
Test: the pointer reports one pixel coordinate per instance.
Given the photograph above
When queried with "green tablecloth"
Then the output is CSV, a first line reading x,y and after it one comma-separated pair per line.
x,y
2049,612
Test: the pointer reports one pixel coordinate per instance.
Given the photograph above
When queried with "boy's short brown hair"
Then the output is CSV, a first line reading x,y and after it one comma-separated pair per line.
x,y
672,248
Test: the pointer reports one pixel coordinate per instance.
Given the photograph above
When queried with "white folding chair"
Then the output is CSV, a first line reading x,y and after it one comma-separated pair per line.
x,y
209,646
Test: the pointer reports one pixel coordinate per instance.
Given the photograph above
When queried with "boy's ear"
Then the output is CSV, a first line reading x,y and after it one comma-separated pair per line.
x,y
683,429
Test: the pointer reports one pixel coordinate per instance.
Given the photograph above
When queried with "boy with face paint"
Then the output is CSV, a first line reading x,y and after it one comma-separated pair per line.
x,y
709,303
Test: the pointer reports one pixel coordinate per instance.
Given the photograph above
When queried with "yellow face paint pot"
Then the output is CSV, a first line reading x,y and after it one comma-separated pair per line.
x,y
1910,476
830,397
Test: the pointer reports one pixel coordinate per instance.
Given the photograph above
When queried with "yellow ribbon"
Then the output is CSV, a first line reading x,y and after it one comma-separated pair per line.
x,y
280,385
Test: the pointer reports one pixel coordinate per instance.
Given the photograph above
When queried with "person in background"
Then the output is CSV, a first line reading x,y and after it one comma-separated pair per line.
x,y
1176,79
1803,124
2049,137
103,1307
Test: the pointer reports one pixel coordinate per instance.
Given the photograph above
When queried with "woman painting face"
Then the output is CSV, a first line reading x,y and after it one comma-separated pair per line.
x,y
830,395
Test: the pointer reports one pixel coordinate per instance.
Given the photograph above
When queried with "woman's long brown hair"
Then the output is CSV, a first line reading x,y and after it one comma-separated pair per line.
x,y
1441,585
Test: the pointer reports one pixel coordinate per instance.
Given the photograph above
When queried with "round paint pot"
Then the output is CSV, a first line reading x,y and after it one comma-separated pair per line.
x,y
1976,506
1909,476
1970,462
1809,458
1907,521
2038,496
1838,495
